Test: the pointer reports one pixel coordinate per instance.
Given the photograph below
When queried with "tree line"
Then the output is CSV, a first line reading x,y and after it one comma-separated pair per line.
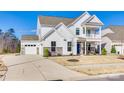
x,y
9,43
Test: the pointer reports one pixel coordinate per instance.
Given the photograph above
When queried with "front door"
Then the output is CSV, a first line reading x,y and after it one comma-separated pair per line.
x,y
89,47
78,48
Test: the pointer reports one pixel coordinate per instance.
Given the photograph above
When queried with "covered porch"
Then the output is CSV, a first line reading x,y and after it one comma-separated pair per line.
x,y
85,47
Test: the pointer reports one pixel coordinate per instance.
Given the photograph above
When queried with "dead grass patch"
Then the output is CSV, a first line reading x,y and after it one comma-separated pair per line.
x,y
100,70
76,66
86,60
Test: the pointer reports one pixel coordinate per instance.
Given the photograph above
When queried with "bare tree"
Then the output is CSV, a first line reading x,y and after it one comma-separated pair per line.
x,y
9,40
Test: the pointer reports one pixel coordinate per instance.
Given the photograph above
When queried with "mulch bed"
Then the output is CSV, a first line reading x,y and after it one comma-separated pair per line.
x,y
121,57
73,60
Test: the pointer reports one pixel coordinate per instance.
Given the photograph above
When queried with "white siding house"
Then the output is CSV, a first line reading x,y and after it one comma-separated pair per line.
x,y
66,36
113,36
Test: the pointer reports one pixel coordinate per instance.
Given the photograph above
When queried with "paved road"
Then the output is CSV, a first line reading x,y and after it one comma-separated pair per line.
x,y
27,67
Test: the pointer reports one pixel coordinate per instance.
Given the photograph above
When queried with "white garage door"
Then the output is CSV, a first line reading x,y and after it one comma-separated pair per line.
x,y
119,49
30,50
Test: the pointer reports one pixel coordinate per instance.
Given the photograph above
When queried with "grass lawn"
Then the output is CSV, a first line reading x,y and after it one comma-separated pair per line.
x,y
63,60
89,60
99,70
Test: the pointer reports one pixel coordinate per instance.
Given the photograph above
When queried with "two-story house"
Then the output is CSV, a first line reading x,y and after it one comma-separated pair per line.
x,y
65,36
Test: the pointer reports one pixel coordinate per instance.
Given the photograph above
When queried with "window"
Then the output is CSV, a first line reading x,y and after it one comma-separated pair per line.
x,y
83,30
53,46
77,31
69,46
88,31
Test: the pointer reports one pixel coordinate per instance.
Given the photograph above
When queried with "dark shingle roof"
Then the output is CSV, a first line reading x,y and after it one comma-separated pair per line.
x,y
29,37
53,21
118,34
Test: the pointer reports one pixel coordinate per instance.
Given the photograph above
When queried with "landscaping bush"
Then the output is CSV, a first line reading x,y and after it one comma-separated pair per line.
x,y
46,52
113,50
71,54
5,50
59,54
104,52
18,48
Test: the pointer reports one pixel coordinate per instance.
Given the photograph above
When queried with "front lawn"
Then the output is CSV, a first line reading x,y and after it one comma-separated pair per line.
x,y
63,60
79,64
99,70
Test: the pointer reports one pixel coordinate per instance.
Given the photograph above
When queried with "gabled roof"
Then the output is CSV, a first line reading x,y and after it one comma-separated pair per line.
x,y
118,33
63,33
57,22
53,21
93,20
78,18
29,37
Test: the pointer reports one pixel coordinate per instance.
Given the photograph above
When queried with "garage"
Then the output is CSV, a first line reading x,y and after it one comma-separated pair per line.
x,y
119,49
29,45
30,49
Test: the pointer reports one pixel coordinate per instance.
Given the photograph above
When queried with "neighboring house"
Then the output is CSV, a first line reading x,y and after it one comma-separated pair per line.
x,y
65,36
113,36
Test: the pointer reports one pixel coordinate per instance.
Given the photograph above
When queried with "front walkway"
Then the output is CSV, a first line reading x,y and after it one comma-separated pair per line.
x,y
27,67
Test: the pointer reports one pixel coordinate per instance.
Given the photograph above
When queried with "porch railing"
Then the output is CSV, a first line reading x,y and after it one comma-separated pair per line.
x,y
92,36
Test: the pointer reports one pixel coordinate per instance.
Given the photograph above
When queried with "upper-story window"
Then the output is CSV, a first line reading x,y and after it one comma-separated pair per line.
x,y
88,31
83,30
77,31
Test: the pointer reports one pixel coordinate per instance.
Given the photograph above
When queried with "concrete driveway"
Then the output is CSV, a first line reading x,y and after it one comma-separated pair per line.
x,y
32,67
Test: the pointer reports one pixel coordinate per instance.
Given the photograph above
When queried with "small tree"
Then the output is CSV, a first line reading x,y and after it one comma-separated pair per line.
x,y
46,52
113,50
18,48
104,52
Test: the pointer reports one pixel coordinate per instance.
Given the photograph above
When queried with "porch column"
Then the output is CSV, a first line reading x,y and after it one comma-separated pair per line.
x,y
82,48
85,31
100,31
100,47
85,48
100,41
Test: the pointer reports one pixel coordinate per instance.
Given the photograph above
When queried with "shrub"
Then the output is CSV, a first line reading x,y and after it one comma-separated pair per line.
x,y
46,52
71,54
113,50
18,48
104,52
5,50
59,54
